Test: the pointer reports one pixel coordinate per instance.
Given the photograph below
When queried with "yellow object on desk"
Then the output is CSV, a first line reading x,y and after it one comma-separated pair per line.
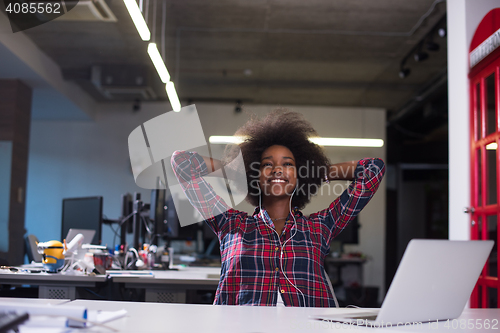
x,y
52,255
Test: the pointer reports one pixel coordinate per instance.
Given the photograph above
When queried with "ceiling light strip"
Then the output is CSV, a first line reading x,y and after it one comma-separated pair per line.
x,y
138,19
172,96
157,60
348,142
224,140
330,142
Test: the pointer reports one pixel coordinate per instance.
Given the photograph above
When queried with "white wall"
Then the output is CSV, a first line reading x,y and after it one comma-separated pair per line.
x,y
87,158
463,17
22,59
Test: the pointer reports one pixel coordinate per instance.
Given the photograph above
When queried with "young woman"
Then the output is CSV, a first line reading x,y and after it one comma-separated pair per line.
x,y
275,255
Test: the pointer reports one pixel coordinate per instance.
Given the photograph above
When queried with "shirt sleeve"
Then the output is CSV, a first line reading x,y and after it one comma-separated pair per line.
x,y
369,173
189,168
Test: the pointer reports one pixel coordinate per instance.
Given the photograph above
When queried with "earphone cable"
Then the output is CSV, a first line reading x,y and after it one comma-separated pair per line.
x,y
282,245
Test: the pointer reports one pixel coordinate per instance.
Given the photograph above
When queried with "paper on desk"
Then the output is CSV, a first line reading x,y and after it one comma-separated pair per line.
x,y
47,322
29,329
78,312
141,274
106,316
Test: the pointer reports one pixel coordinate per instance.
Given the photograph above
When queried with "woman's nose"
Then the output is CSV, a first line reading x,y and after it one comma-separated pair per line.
x,y
277,171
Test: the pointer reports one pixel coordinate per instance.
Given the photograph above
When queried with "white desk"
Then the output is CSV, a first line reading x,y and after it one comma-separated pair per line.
x,y
14,300
201,276
165,287
171,286
186,318
53,285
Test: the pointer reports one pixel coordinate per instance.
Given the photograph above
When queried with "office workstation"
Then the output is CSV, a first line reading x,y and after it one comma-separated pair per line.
x,y
178,276
164,263
408,76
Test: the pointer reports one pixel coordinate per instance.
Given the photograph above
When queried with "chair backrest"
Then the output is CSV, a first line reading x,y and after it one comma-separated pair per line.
x,y
331,289
31,242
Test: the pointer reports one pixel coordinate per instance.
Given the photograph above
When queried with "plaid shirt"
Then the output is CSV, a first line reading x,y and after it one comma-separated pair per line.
x,y
256,262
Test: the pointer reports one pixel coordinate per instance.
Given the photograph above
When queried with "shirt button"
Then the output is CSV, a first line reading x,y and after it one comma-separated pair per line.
x,y
276,269
282,291
276,248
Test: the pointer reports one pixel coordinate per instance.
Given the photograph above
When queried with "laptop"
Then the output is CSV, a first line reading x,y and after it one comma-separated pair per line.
x,y
433,282
88,235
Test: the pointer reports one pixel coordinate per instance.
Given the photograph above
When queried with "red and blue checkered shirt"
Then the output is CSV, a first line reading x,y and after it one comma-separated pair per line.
x,y
256,262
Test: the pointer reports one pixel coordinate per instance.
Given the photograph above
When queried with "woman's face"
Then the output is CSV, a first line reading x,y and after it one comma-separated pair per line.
x,y
278,173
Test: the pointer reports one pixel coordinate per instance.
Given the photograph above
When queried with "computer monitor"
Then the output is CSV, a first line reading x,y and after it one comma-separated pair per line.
x,y
350,234
164,214
82,213
126,225
158,214
172,219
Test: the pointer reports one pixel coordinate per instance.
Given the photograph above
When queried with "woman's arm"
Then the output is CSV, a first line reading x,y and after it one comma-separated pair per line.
x,y
342,171
189,168
234,171
367,175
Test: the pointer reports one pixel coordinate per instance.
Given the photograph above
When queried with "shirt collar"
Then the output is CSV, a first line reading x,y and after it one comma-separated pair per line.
x,y
295,210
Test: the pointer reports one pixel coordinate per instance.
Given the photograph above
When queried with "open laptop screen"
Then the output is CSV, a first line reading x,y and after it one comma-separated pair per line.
x,y
82,213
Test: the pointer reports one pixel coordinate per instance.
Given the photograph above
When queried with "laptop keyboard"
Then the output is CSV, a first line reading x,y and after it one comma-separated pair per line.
x,y
364,317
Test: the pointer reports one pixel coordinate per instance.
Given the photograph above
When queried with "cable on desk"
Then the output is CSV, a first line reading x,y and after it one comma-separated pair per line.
x,y
94,293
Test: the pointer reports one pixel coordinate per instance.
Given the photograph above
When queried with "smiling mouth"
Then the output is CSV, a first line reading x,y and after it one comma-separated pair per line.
x,y
278,181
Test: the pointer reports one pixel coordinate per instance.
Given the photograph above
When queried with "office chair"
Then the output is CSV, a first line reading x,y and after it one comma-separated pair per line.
x,y
30,242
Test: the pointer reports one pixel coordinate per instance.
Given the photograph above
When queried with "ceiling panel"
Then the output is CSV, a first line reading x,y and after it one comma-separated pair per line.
x,y
321,52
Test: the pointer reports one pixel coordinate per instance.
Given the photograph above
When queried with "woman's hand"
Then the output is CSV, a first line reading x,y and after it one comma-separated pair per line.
x,y
342,171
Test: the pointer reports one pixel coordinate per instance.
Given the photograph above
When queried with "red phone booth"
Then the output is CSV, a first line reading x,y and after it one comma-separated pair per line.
x,y
484,77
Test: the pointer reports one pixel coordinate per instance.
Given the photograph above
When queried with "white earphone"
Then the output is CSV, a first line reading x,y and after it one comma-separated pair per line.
x,y
282,245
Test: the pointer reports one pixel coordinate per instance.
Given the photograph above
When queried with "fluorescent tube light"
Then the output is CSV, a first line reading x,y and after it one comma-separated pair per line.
x,y
158,62
335,142
138,19
348,142
172,96
492,146
224,140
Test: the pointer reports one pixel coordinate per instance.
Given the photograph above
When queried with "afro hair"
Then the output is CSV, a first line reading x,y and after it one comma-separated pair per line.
x,y
289,129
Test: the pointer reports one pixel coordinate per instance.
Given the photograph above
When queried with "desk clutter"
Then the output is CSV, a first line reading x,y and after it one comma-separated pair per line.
x,y
78,257
74,269
184,284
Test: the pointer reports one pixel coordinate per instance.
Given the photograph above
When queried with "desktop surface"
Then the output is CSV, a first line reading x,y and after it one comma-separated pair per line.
x,y
27,278
180,284
184,276
186,318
